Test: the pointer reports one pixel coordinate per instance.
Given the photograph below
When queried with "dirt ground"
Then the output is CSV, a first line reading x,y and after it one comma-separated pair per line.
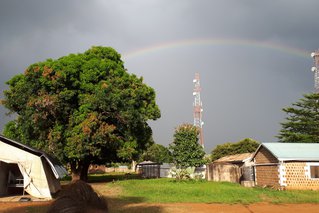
x,y
24,207
237,208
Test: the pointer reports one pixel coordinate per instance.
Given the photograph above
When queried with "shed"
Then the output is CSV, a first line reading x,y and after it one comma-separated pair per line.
x,y
34,171
287,165
149,169
232,168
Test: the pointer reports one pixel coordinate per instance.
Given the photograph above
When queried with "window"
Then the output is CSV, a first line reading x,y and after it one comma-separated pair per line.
x,y
314,171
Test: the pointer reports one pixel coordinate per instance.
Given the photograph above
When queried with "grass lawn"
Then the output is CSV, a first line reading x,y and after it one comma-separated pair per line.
x,y
124,190
169,191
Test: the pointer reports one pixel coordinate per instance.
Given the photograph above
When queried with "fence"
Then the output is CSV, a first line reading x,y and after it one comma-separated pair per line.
x,y
100,169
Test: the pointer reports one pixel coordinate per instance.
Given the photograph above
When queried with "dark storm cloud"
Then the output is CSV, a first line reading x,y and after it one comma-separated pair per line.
x,y
290,22
244,87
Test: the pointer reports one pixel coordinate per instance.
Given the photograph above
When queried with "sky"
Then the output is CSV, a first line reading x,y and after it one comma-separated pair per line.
x,y
253,57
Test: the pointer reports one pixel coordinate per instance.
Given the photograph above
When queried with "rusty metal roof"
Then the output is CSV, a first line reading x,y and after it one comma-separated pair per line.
x,y
235,158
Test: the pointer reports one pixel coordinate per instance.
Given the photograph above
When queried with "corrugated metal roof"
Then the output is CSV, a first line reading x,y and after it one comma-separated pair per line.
x,y
148,163
235,158
294,151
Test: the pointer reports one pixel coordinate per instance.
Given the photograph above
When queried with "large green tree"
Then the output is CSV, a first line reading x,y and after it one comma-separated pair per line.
x,y
82,108
246,145
302,121
185,149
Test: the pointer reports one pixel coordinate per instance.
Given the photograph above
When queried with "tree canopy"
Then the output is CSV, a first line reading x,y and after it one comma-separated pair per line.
x,y
157,153
302,121
185,149
246,145
82,108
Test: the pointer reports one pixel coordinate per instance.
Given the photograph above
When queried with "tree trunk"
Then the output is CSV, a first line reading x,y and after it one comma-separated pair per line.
x,y
75,173
79,170
84,171
133,166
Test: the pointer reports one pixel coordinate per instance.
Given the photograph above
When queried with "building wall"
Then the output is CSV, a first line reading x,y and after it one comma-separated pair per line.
x,y
166,170
267,173
101,169
3,178
225,172
267,176
287,175
297,176
264,156
150,170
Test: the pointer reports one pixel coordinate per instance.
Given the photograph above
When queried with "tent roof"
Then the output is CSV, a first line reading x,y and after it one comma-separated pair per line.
x,y
58,170
293,151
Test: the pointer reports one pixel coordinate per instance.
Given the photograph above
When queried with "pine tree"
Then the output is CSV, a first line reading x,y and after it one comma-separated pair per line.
x,y
302,122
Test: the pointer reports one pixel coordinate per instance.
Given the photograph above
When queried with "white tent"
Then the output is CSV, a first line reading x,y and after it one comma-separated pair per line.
x,y
32,169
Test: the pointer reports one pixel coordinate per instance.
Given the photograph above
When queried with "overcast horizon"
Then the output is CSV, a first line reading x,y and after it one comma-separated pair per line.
x,y
253,57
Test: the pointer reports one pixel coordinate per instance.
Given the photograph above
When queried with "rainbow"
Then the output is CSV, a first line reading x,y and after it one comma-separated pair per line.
x,y
215,42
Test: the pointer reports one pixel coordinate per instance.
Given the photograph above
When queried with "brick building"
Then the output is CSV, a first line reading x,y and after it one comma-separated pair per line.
x,y
287,165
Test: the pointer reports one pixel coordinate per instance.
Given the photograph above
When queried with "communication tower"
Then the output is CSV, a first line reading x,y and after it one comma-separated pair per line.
x,y
198,108
315,69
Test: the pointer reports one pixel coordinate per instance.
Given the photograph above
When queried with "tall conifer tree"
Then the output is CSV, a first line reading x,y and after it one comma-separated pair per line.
x,y
302,121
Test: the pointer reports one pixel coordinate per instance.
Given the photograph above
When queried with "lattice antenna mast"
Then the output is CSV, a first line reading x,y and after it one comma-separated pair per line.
x,y
198,108
315,69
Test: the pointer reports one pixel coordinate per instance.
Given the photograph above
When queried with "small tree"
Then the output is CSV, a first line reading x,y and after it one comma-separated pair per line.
x,y
244,146
186,151
302,121
157,153
127,151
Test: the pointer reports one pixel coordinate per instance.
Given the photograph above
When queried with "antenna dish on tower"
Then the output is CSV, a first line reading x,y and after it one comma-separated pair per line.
x,y
313,69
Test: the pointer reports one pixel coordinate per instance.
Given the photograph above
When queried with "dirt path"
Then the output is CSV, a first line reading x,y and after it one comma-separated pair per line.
x,y
222,208
23,207
175,208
